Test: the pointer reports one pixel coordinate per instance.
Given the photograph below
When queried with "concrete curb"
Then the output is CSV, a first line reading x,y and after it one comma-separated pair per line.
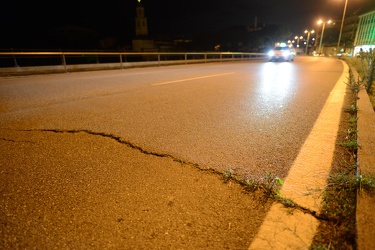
x,y
366,165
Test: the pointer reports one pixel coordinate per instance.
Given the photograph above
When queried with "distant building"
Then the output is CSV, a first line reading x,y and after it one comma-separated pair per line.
x,y
140,21
358,33
349,31
142,41
365,36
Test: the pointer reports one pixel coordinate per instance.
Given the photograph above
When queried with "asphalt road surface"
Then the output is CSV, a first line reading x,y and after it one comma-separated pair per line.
x,y
252,117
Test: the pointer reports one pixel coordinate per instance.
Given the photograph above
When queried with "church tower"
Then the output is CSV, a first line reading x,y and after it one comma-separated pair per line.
x,y
140,21
142,42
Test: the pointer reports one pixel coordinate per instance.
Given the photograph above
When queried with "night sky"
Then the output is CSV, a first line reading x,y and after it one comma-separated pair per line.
x,y
23,20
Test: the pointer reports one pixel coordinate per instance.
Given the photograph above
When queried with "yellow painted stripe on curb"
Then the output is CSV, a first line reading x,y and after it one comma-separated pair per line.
x,y
191,79
305,181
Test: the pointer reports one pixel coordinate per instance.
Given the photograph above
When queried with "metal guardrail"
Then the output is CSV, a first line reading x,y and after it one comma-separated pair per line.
x,y
54,62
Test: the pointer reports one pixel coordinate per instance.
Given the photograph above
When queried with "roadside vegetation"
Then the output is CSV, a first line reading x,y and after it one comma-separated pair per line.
x,y
364,65
338,231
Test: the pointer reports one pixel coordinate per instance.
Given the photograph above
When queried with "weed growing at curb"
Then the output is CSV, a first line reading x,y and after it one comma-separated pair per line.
x,y
353,122
366,182
352,145
352,109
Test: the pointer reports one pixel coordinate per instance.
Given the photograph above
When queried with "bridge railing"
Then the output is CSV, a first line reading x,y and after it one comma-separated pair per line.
x,y
59,62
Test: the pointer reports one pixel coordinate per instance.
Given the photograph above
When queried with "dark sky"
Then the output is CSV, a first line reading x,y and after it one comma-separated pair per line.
x,y
179,17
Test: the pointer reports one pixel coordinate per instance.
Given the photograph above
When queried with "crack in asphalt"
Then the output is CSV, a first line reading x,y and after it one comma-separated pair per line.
x,y
175,159
9,140
127,143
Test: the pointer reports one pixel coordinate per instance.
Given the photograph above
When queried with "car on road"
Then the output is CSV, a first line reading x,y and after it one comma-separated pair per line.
x,y
282,53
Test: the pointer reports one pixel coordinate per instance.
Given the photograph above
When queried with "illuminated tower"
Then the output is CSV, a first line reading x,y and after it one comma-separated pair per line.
x,y
142,42
140,21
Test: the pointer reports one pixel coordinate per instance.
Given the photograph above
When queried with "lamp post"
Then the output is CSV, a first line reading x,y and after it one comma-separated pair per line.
x,y
321,36
342,25
297,38
308,38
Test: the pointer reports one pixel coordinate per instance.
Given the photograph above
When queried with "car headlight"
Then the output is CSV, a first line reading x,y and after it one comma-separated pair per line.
x,y
271,53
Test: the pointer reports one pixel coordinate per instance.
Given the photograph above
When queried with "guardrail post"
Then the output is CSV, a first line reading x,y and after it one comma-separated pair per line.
x,y
14,59
121,61
63,61
159,59
185,55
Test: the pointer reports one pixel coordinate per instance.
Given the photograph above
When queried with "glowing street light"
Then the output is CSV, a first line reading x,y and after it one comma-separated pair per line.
x,y
308,38
321,36
342,24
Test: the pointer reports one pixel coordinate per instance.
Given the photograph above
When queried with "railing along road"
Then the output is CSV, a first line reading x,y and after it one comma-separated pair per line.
x,y
59,62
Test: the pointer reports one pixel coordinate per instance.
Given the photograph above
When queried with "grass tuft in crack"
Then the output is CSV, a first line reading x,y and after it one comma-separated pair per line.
x,y
270,185
228,174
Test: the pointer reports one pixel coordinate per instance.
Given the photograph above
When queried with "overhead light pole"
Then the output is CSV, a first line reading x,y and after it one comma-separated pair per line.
x,y
321,35
342,25
298,38
308,39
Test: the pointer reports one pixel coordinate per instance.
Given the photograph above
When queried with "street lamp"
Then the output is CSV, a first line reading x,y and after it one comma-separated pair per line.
x,y
321,36
308,38
342,24
297,38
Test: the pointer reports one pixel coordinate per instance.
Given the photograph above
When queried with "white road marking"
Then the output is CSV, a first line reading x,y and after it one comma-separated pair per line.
x,y
191,79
